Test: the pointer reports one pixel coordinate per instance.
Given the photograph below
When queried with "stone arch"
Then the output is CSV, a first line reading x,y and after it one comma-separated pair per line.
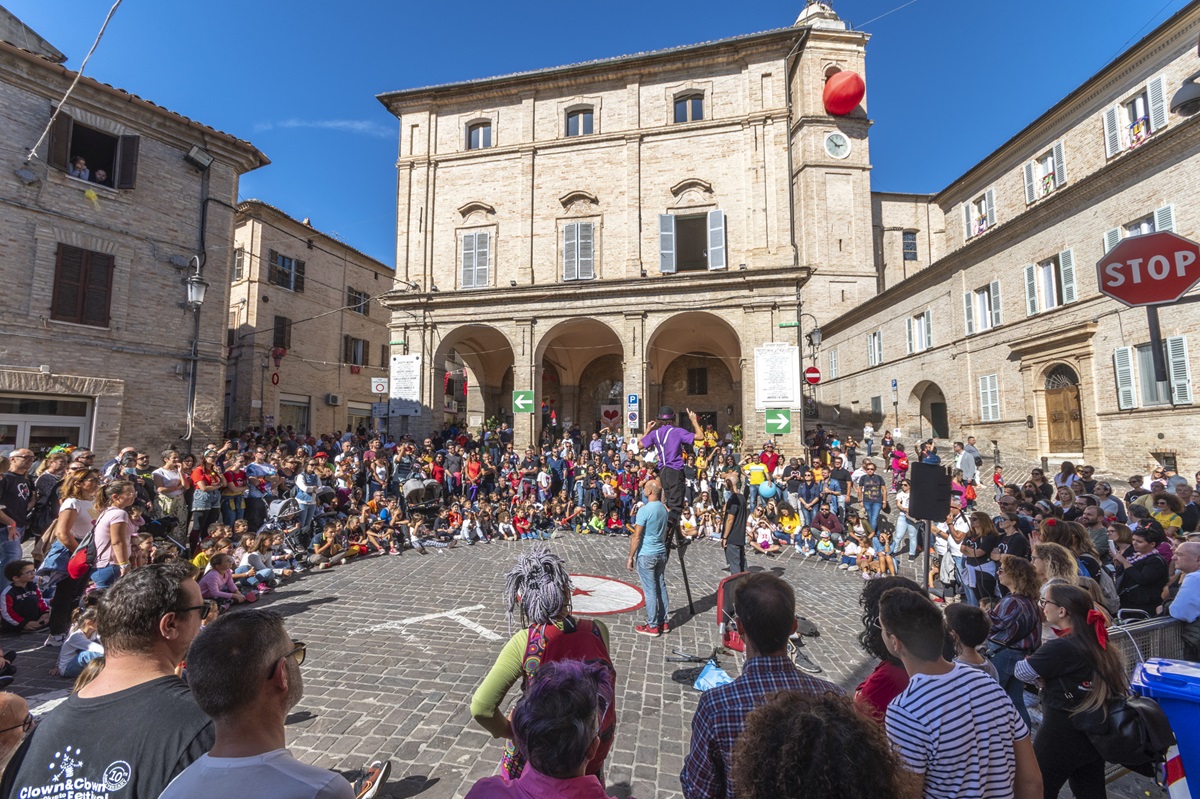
x,y
563,353
927,403
487,355
703,340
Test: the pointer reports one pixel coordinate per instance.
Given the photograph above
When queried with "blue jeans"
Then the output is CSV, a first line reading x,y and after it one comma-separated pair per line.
x,y
105,577
82,659
307,512
753,497
232,509
835,503
10,552
1005,661
652,571
808,514
260,576
905,530
873,510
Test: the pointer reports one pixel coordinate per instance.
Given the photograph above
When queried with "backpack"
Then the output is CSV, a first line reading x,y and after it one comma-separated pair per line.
x,y
978,460
1108,587
45,512
1129,731
83,560
902,463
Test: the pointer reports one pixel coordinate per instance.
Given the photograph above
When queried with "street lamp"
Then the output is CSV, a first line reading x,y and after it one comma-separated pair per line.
x,y
196,287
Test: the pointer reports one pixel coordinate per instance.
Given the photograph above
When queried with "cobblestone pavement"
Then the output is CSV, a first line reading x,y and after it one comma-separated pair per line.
x,y
402,690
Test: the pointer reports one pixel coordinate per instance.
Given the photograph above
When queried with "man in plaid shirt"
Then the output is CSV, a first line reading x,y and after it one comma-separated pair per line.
x,y
766,617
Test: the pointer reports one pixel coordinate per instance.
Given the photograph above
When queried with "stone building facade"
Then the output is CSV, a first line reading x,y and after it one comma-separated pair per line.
x,y
302,291
990,321
635,225
97,337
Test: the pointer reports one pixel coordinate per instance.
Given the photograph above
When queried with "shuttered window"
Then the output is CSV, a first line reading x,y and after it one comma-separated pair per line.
x,y
355,351
475,260
979,214
989,398
358,301
692,242
1129,123
919,332
285,272
874,348
1050,283
239,264
578,253
833,364
1045,173
1133,373
110,160
282,333
82,286
981,308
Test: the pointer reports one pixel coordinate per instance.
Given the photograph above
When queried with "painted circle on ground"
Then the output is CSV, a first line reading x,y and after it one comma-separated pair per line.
x,y
592,595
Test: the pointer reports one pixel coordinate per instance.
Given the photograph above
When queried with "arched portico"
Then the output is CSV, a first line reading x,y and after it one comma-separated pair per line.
x,y
694,359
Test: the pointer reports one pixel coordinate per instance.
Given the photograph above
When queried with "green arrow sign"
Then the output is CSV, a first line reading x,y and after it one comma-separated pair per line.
x,y
522,402
779,420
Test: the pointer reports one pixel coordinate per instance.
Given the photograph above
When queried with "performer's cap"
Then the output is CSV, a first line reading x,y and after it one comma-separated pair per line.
x,y
666,414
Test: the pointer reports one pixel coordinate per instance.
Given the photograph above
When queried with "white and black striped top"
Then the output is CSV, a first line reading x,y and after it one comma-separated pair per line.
x,y
957,729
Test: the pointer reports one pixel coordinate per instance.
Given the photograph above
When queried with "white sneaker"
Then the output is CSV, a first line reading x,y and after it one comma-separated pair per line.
x,y
842,566
853,568
55,640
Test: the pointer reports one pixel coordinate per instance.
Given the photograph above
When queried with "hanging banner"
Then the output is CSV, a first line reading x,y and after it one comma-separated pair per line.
x,y
610,417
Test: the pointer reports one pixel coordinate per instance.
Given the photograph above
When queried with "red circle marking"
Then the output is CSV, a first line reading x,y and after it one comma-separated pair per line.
x,y
275,378
813,375
595,595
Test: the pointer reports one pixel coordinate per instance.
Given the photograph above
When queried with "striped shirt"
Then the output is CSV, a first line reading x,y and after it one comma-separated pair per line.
x,y
957,730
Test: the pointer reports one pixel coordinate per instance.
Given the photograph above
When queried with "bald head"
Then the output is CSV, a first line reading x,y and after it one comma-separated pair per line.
x,y
13,711
653,490
1187,557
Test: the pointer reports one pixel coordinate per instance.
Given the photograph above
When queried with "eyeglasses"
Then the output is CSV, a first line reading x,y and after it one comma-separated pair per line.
x,y
300,652
25,725
205,609
1042,603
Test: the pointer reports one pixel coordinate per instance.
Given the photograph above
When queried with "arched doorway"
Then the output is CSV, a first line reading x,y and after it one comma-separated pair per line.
x,y
1064,412
575,356
481,357
932,410
694,361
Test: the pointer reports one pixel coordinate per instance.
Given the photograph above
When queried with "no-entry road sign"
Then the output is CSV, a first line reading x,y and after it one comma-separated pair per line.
x,y
813,375
522,402
1154,269
779,420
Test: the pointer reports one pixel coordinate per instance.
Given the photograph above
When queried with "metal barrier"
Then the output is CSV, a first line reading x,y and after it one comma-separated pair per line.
x,y
1141,640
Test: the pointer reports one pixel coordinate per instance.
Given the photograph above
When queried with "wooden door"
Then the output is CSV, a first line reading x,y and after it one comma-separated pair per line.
x,y
1065,419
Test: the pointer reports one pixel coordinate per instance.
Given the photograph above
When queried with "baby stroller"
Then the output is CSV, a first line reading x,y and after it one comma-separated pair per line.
x,y
422,495
732,639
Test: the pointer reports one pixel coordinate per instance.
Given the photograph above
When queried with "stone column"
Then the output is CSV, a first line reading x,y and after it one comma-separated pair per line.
x,y
525,377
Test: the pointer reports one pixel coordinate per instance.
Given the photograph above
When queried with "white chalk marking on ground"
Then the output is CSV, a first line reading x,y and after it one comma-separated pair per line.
x,y
41,704
453,615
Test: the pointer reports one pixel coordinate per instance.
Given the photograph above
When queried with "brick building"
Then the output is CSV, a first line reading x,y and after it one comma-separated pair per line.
x,y
989,319
634,225
98,338
297,289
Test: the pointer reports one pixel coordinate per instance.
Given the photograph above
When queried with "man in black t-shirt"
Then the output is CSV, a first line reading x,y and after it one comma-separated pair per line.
x,y
130,731
18,498
838,485
733,527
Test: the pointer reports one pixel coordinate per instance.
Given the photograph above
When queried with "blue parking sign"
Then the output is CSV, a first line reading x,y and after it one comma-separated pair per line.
x,y
632,400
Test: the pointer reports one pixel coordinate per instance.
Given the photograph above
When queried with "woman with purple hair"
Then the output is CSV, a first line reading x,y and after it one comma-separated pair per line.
x,y
540,588
558,725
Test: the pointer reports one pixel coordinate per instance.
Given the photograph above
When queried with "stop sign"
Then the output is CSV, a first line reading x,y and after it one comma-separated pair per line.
x,y
1149,270
813,375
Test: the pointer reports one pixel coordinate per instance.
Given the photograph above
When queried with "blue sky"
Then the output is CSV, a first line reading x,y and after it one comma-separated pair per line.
x,y
947,81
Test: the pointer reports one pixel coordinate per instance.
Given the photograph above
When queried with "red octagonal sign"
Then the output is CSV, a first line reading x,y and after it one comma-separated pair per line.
x,y
1154,269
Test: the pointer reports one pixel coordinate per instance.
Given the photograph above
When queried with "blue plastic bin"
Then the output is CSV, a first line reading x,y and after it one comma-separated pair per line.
x,y
1175,685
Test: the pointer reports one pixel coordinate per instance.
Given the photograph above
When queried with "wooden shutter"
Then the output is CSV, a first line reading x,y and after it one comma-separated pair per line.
x,y
989,398
273,276
870,349
571,251
482,259
969,311
127,161
365,346
1030,191
1031,298
1123,372
1060,164
468,260
1066,271
716,239
587,259
967,220
68,284
666,243
298,276
908,329
365,303
1179,372
994,290
1112,238
989,201
59,154
1156,100
1112,132
1164,219
97,289
347,349
833,364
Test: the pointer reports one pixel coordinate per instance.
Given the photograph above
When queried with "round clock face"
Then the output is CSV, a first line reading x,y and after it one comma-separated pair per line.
x,y
837,145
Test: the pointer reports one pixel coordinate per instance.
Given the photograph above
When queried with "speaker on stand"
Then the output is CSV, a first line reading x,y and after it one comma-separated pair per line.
x,y
928,500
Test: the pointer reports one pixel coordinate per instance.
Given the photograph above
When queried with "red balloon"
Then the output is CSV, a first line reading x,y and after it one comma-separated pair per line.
x,y
843,92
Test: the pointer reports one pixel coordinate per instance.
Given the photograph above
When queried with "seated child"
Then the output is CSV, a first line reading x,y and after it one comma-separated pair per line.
x,y
807,545
613,526
850,554
969,627
761,537
883,554
208,548
826,551
505,527
22,608
81,647
327,551
218,584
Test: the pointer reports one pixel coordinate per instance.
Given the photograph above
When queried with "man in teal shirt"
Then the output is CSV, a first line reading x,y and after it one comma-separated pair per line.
x,y
648,548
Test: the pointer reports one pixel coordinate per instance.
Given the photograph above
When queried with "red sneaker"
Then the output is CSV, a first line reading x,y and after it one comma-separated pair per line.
x,y
646,629
666,627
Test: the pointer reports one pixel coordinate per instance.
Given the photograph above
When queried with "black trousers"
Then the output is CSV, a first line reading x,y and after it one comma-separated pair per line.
x,y
64,602
673,486
1065,754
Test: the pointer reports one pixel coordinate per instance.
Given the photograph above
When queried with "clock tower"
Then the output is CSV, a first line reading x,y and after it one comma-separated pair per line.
x,y
831,163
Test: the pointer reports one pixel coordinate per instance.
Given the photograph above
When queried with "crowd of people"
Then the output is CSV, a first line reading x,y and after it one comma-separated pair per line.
x,y
130,560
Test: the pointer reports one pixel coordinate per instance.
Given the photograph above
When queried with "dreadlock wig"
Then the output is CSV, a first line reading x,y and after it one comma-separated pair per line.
x,y
539,585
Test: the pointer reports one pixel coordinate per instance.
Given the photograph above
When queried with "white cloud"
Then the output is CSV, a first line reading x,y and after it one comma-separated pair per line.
x,y
359,126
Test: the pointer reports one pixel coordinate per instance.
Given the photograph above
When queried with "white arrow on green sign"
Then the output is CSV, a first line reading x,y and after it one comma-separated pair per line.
x,y
522,402
779,420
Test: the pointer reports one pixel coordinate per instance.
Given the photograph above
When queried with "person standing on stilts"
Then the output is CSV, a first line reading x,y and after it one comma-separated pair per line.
x,y
668,442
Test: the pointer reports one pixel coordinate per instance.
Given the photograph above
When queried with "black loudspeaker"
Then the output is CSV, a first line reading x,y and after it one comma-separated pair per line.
x,y
930,495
